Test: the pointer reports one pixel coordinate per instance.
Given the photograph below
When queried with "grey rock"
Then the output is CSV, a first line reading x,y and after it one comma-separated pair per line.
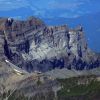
x,y
32,45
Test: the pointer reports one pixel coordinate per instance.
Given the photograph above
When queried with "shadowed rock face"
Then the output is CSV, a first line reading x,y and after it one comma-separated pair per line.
x,y
32,45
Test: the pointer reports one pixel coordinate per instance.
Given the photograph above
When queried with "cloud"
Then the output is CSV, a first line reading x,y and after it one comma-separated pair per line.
x,y
52,8
12,4
65,5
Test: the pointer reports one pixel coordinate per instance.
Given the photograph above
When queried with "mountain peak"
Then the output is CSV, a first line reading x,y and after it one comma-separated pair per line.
x,y
31,45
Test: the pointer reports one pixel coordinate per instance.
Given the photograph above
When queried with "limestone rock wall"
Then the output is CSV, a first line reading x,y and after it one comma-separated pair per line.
x,y
32,45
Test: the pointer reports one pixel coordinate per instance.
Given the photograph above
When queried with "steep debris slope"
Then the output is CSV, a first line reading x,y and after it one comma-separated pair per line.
x,y
15,86
32,46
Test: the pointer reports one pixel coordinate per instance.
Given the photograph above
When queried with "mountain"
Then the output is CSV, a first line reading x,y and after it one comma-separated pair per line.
x,y
36,59
91,25
34,46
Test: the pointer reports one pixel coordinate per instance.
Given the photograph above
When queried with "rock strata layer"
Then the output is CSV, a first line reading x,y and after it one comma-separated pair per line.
x,y
32,45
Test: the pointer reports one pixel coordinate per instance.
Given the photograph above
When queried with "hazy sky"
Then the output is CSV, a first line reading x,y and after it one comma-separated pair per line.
x,y
48,8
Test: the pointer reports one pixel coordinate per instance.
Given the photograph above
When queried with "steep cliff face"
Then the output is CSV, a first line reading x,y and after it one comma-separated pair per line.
x,y
32,45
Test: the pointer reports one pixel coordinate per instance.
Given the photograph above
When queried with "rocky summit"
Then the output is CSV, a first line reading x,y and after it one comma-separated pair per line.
x,y
32,45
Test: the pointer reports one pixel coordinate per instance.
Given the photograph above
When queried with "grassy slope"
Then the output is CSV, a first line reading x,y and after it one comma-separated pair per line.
x,y
71,88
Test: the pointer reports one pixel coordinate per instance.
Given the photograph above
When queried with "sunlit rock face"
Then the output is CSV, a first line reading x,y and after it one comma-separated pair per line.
x,y
32,45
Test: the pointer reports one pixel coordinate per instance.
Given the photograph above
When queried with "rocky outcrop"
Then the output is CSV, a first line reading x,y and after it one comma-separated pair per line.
x,y
32,45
